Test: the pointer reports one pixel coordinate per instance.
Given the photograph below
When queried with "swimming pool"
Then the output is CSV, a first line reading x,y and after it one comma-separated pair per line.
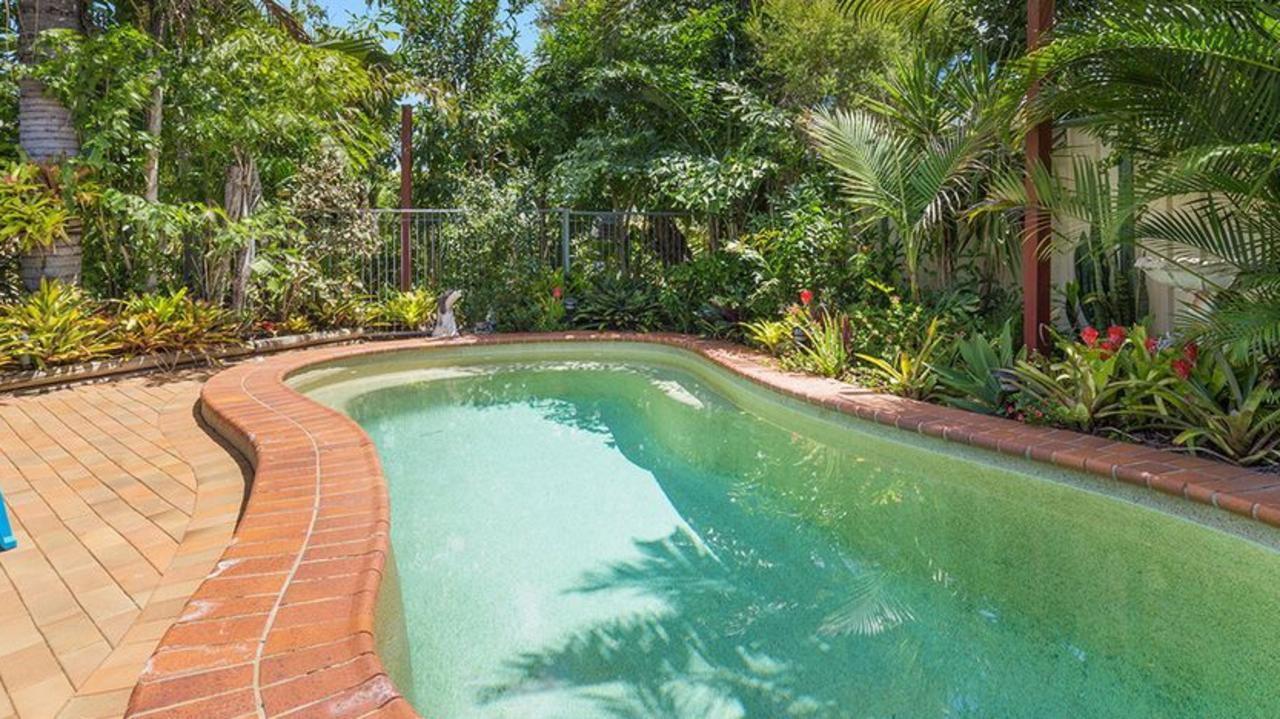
x,y
627,530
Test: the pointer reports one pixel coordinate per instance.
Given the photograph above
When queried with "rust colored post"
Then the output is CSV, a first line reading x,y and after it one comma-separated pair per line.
x,y
1038,227
406,195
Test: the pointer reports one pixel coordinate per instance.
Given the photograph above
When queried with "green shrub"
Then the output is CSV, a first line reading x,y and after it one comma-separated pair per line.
x,y
54,325
1228,411
620,303
413,311
340,311
533,301
976,379
885,324
909,373
172,323
712,294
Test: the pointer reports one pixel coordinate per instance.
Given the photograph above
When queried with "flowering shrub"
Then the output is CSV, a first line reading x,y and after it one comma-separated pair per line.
x,y
1103,380
1225,410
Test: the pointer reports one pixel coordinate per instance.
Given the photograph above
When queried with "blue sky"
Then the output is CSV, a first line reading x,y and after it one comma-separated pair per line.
x,y
341,10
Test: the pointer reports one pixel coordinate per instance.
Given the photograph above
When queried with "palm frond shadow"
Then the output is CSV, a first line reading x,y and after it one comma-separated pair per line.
x,y
742,631
725,640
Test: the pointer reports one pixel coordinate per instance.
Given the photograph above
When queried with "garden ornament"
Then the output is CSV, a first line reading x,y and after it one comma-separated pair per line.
x,y
446,323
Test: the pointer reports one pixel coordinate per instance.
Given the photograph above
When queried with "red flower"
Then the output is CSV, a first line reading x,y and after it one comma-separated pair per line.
x,y
806,297
1191,352
1152,345
1116,335
557,292
1181,367
1090,336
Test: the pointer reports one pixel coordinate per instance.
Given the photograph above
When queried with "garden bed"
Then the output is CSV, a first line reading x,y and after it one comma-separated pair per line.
x,y
41,378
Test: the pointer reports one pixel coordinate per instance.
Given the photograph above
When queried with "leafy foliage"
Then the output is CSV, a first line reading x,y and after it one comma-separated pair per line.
x,y
619,303
1225,411
54,325
827,346
817,53
891,179
1190,89
977,380
32,212
172,322
910,373
414,311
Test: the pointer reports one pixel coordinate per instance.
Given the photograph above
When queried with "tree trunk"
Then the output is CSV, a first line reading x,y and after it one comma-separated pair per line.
x,y
46,133
155,125
241,195
155,113
155,120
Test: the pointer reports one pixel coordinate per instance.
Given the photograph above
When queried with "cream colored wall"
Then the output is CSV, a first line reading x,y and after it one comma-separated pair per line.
x,y
1165,300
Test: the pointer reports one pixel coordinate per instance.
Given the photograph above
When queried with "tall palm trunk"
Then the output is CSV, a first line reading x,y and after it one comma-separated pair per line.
x,y
46,133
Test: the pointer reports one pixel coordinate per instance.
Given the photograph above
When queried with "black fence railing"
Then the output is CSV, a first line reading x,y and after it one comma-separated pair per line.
x,y
444,248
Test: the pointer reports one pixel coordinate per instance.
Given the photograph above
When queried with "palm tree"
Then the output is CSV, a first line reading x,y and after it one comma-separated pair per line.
x,y
47,134
1190,89
906,163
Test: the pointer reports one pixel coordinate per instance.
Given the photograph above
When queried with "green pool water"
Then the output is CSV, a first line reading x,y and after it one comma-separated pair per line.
x,y
627,531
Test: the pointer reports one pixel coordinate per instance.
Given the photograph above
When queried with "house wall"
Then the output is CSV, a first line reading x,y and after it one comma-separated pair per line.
x,y
1165,301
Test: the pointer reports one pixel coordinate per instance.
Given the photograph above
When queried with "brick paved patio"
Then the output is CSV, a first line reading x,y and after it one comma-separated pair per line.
x,y
121,505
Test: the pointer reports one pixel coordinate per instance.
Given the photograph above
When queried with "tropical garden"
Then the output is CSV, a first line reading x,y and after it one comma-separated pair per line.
x,y
848,178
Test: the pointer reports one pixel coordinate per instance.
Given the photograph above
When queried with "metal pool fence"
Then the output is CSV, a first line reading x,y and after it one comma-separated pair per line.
x,y
446,248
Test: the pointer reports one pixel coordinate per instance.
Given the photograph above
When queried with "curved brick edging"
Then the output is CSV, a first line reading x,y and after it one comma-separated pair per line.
x,y
283,627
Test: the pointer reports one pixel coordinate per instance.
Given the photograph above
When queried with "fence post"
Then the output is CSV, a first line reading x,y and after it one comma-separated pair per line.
x,y
406,195
564,242
1037,222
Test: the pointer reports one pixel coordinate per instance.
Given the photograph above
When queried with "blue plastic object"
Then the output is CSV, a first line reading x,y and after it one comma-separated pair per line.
x,y
7,540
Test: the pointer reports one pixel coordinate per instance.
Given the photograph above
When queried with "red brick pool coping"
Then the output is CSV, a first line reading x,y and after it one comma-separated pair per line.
x,y
284,624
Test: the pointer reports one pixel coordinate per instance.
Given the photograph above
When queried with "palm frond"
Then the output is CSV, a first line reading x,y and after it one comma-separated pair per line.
x,y
900,12
1125,68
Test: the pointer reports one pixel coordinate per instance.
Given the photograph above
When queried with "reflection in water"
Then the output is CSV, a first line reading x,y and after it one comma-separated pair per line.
x,y
618,542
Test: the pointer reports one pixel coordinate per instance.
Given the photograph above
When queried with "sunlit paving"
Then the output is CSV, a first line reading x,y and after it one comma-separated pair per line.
x,y
587,359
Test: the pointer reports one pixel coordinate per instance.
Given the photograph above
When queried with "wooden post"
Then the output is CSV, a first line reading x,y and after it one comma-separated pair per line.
x,y
406,195
1038,227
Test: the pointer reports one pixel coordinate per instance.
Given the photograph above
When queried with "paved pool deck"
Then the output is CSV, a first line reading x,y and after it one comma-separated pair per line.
x,y
122,503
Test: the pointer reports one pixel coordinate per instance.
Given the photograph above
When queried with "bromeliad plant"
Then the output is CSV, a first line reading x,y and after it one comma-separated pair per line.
x,y
172,322
773,336
977,379
910,373
56,324
620,303
1230,412
827,346
1099,382
32,211
414,311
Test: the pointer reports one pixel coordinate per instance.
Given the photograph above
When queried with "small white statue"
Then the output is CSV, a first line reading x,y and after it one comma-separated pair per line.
x,y
446,323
